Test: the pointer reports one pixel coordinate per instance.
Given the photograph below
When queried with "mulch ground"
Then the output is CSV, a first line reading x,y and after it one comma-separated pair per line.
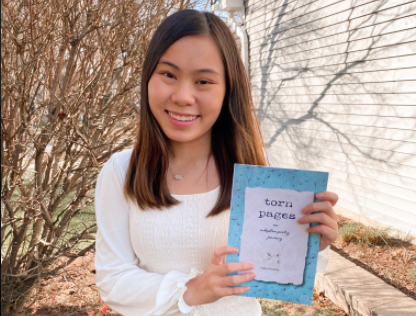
x,y
394,261
74,293
321,306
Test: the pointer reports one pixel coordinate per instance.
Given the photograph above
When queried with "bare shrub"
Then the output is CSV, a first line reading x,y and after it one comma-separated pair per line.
x,y
70,74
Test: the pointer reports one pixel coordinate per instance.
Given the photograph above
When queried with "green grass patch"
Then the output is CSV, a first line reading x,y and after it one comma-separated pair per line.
x,y
369,236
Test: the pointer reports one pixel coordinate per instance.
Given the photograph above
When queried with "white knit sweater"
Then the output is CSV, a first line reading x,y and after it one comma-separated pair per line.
x,y
145,258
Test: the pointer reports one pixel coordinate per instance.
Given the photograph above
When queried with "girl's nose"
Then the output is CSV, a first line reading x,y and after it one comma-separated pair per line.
x,y
183,95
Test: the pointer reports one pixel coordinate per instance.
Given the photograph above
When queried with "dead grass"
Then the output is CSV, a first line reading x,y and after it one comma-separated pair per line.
x,y
391,258
320,306
371,236
74,293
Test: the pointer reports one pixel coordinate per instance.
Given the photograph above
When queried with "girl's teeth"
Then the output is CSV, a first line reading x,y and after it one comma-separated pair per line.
x,y
182,118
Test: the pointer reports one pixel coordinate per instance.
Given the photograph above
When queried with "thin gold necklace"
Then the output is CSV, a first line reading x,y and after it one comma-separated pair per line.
x,y
181,176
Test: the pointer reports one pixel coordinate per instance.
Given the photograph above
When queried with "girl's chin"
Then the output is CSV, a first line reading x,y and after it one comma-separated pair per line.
x,y
187,137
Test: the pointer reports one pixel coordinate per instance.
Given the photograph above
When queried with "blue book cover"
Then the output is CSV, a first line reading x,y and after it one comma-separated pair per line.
x,y
265,207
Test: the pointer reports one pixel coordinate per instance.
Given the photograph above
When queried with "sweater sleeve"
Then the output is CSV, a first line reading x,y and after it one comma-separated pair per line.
x,y
322,255
123,285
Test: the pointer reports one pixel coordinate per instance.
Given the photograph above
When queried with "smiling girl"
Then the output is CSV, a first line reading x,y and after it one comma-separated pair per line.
x,y
163,208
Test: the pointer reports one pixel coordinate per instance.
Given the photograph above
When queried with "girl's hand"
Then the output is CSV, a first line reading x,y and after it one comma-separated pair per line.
x,y
213,284
326,217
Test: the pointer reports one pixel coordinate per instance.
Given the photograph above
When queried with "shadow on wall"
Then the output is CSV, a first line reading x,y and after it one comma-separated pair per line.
x,y
329,84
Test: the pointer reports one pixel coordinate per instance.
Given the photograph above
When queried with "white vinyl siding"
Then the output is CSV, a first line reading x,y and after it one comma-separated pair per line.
x,y
334,85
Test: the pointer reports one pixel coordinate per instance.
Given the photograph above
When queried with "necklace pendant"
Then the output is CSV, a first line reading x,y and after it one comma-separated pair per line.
x,y
178,177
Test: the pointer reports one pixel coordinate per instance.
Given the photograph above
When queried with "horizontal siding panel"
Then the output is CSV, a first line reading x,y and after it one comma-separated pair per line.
x,y
317,10
301,60
351,191
273,10
350,119
388,218
350,161
382,52
282,9
309,79
357,130
373,204
326,37
383,198
256,5
405,74
404,193
275,88
383,99
276,8
338,169
293,10
333,25
405,87
334,136
348,144
345,150
326,16
406,63
309,51
322,68
341,11
334,86
403,8
341,109
346,179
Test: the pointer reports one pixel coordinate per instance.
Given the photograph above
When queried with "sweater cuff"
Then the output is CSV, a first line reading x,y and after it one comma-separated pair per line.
x,y
171,292
183,307
322,260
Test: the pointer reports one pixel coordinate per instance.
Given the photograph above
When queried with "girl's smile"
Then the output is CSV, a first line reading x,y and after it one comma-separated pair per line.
x,y
181,120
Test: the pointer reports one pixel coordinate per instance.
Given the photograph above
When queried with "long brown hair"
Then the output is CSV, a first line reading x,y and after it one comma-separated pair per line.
x,y
236,136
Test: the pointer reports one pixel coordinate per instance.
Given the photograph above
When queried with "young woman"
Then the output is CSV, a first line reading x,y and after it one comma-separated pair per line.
x,y
163,208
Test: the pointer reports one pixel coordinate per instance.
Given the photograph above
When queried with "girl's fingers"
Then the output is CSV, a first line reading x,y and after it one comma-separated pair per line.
x,y
328,234
233,267
331,197
324,207
228,291
222,251
321,218
236,279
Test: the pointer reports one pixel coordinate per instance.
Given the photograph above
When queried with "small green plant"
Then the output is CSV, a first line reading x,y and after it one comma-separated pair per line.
x,y
375,236
348,232
369,236
323,312
275,311
272,308
412,275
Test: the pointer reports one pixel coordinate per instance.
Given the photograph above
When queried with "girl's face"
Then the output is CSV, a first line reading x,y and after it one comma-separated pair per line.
x,y
187,89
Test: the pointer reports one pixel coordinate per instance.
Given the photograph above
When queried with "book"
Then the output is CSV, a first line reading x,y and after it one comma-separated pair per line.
x,y
266,203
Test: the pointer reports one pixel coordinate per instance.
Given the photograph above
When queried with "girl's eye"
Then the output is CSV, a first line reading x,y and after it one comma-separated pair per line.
x,y
204,82
168,75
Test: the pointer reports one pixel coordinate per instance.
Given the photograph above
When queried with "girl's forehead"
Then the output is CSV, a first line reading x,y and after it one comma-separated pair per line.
x,y
193,53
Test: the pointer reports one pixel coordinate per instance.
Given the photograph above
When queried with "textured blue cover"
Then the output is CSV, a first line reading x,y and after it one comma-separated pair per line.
x,y
268,177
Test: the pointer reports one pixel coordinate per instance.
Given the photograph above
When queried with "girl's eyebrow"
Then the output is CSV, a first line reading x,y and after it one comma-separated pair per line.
x,y
209,70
